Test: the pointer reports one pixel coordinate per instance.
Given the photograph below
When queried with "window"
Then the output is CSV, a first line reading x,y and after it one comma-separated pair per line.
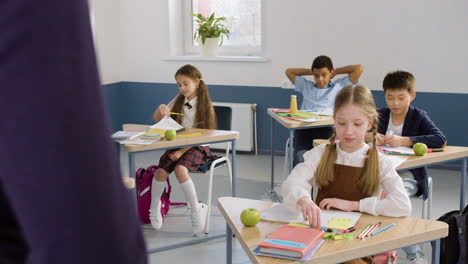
x,y
243,18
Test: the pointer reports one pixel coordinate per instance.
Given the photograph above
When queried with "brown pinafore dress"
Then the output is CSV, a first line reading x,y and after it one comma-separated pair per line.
x,y
344,186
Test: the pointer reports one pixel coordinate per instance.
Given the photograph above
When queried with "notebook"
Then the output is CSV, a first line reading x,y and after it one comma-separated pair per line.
x,y
292,241
308,256
329,218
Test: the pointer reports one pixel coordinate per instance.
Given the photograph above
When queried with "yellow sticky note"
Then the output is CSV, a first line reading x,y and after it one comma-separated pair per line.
x,y
339,223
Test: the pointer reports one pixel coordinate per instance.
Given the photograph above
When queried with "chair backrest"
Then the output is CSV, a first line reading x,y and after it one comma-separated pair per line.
x,y
223,117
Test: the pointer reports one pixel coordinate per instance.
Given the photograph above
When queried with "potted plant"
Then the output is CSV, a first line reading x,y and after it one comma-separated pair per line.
x,y
211,31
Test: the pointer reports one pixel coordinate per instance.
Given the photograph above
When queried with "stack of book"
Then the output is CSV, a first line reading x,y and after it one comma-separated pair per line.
x,y
291,241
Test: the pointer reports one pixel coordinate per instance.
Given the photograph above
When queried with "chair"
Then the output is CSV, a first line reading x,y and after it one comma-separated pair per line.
x,y
224,119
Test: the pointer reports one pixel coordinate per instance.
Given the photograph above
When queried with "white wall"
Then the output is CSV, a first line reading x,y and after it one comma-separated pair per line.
x,y
108,35
426,37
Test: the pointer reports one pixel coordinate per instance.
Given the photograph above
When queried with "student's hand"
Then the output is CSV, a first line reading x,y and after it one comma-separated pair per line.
x,y
310,211
393,141
344,205
176,155
333,73
380,139
164,110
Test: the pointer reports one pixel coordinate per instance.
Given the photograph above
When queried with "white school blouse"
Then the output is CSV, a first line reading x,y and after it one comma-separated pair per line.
x,y
301,180
189,114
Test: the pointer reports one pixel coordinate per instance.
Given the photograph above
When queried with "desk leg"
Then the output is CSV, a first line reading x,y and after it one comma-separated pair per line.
x,y
228,245
463,183
291,149
131,165
435,251
272,181
234,166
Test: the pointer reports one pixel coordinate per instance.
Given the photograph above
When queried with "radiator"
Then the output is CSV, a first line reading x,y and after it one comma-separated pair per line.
x,y
244,120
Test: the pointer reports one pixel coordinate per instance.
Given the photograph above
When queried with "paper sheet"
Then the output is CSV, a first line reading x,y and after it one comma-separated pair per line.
x,y
280,213
167,123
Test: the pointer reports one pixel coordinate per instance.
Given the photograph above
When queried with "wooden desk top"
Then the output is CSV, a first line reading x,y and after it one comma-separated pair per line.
x,y
207,136
289,123
449,153
407,231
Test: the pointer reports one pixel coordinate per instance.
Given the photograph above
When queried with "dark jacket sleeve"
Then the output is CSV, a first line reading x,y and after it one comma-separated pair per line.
x,y
384,117
61,195
420,128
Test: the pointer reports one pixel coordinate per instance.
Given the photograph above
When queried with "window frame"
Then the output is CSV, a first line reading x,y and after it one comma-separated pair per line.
x,y
231,50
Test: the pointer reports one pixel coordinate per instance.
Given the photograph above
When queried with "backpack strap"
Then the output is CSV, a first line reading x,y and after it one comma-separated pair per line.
x,y
460,220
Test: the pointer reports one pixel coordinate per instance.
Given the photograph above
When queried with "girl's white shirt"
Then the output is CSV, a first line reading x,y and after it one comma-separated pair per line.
x,y
301,180
188,118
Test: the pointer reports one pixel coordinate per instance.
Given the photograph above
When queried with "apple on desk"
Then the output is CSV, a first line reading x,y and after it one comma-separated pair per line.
x,y
170,134
420,149
250,217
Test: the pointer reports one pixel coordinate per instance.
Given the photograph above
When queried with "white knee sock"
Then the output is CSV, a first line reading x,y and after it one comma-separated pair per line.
x,y
157,189
190,194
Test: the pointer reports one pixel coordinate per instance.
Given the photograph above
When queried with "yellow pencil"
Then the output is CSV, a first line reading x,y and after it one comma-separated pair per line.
x,y
188,135
172,113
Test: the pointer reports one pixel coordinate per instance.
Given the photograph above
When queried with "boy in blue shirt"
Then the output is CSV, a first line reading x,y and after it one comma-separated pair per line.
x,y
401,124
318,95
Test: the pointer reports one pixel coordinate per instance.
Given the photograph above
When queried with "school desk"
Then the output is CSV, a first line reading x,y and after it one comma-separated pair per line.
x,y
450,153
291,125
197,137
407,231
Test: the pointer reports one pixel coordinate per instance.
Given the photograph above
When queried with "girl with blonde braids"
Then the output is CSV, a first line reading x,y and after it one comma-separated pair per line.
x,y
348,175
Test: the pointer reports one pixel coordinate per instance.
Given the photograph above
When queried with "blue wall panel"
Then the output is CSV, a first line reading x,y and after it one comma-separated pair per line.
x,y
135,102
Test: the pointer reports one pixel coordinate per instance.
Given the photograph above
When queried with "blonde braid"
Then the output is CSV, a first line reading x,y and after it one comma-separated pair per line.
x,y
324,173
369,181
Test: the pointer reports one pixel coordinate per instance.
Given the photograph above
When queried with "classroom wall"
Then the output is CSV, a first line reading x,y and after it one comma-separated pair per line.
x,y
135,102
107,38
427,38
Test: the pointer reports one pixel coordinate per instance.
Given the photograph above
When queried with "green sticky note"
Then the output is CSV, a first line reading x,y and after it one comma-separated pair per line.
x,y
339,223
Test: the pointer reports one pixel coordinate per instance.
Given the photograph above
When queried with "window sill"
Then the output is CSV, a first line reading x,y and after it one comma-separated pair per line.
x,y
217,58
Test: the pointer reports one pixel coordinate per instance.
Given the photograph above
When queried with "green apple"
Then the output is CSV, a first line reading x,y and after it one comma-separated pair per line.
x,y
420,149
250,217
170,134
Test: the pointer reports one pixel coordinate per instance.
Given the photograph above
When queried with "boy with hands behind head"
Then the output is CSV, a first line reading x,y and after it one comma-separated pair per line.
x,y
318,95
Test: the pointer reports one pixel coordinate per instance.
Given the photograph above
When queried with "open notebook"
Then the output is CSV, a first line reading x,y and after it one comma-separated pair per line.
x,y
329,218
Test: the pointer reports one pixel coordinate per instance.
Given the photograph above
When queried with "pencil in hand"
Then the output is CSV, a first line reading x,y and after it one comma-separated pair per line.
x,y
173,113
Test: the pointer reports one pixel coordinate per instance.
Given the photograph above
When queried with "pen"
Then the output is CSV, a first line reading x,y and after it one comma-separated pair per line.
x,y
382,229
172,113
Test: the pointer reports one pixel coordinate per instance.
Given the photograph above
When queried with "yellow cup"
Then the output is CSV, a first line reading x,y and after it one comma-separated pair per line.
x,y
293,105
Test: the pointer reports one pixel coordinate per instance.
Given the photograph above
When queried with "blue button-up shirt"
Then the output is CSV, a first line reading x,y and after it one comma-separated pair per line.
x,y
318,99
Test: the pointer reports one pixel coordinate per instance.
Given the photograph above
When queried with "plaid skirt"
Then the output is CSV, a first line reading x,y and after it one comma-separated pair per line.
x,y
192,159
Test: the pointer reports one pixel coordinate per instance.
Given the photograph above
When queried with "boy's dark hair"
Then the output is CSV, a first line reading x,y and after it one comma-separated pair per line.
x,y
399,80
322,61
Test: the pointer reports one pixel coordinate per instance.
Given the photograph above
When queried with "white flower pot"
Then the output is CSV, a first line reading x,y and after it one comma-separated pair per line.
x,y
209,48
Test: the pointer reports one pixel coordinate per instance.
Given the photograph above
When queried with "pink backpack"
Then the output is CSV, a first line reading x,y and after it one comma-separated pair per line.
x,y
144,178
389,257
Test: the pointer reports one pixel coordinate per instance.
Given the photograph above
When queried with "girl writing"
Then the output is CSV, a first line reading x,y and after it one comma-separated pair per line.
x,y
349,175
194,102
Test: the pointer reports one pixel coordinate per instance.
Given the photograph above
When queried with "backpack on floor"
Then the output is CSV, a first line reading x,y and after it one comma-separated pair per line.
x,y
389,257
454,247
144,179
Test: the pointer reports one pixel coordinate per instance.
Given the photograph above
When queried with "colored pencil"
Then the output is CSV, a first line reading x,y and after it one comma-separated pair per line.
x,y
372,229
363,231
382,229
172,113
188,135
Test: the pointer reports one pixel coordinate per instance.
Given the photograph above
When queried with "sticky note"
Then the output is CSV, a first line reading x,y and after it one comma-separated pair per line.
x,y
339,223
299,225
